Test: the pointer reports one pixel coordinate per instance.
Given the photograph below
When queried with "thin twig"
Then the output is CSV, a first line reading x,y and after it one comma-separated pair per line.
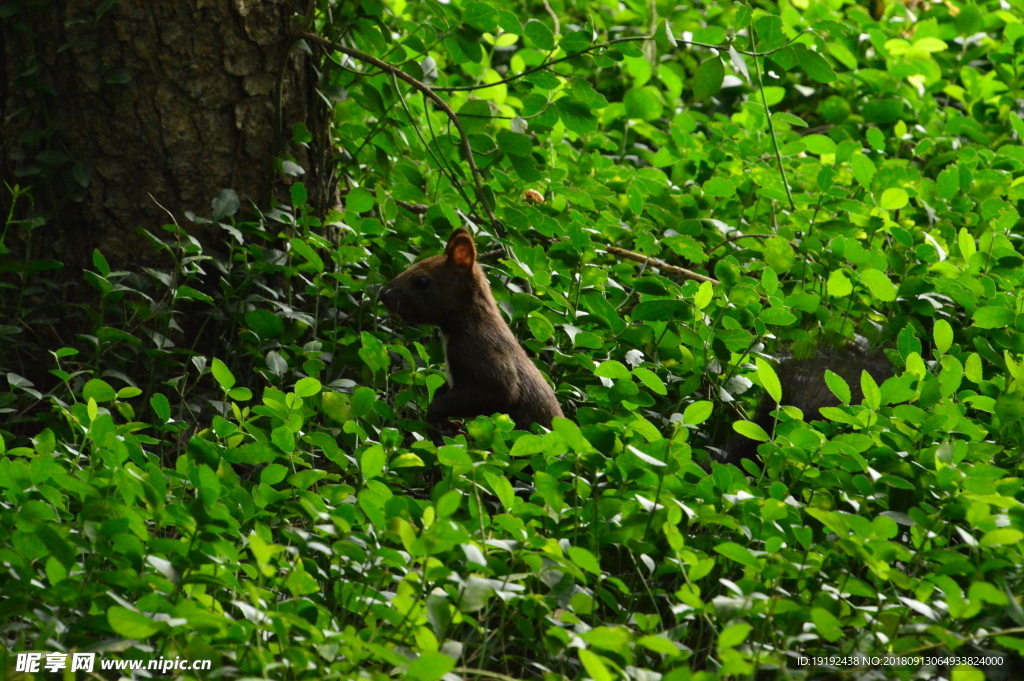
x,y
664,266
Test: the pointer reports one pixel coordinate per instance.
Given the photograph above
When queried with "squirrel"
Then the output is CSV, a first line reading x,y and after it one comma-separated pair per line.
x,y
488,370
803,386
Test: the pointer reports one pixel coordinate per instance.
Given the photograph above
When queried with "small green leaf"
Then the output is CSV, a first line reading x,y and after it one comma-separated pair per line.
x,y
881,286
372,461
99,390
839,286
698,412
161,407
100,263
539,35
894,198
993,317
307,387
430,666
751,430
766,374
308,254
838,386
651,380
943,334
359,200
737,553
222,374
130,624
734,635
828,626
584,559
643,103
708,79
373,353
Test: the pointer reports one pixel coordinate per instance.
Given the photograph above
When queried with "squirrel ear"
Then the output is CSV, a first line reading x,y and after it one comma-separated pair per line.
x,y
461,231
461,250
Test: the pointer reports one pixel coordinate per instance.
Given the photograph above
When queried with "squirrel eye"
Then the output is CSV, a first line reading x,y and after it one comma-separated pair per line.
x,y
421,282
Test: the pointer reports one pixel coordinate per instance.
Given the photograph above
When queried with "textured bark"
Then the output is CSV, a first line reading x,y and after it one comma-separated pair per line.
x,y
177,100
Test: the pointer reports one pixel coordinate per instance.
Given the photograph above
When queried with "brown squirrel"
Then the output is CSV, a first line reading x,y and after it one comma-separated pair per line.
x,y
803,386
488,371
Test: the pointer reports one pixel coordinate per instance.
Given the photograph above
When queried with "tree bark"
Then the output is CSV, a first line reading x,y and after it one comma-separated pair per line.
x,y
111,108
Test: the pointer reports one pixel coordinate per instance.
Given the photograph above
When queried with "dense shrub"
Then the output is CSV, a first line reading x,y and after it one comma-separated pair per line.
x,y
227,458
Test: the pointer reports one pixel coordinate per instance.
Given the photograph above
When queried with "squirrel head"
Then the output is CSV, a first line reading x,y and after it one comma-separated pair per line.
x,y
441,290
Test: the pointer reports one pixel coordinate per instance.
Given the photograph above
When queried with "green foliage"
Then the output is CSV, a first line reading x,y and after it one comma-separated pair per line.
x,y
230,461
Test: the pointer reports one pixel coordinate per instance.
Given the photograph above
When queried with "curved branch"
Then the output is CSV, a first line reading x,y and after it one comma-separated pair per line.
x,y
664,266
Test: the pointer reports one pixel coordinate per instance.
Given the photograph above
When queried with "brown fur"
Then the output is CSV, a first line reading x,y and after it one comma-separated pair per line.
x,y
803,386
488,370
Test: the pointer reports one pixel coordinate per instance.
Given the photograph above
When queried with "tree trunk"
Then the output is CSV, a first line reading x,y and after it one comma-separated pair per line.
x,y
112,108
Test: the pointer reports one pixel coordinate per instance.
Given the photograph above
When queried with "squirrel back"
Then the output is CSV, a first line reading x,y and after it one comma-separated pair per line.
x,y
488,371
803,386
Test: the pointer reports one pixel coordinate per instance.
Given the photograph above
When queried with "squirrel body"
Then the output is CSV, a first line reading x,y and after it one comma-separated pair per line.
x,y
488,370
803,385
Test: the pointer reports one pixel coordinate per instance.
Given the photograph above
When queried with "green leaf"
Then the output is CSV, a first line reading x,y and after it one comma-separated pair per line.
x,y
541,326
838,386
708,79
100,263
222,374
651,380
770,33
734,635
947,185
881,286
480,16
660,310
751,430
264,323
766,374
584,559
429,666
225,204
993,317
99,390
894,198
359,200
863,170
539,35
502,489
717,186
643,103
594,665
273,474
337,406
161,407
613,369
307,387
576,116
130,624
698,412
813,64
308,254
299,194
373,353
737,553
372,461
839,286
514,143
828,626
943,334
453,455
